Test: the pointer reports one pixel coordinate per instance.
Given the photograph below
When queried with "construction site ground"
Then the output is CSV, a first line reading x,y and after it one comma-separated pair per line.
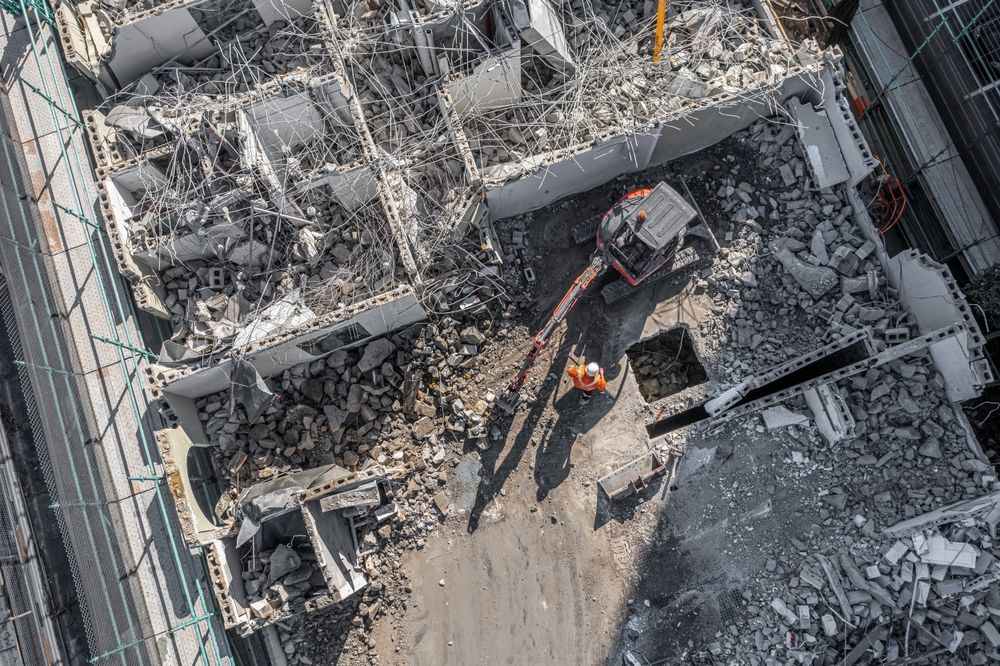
x,y
534,565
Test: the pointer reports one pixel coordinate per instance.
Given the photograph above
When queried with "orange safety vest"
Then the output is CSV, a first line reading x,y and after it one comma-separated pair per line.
x,y
584,382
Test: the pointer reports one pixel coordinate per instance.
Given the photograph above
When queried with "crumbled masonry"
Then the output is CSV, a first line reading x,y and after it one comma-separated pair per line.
x,y
277,184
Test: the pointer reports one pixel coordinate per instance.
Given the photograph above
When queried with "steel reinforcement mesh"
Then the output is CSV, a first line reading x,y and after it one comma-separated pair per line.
x,y
23,611
8,541
15,586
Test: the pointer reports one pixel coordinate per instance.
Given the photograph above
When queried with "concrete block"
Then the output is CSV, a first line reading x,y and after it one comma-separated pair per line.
x,y
896,552
943,552
780,417
833,419
819,143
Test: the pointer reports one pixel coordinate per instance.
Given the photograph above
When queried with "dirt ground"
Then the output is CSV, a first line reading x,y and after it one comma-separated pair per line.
x,y
533,572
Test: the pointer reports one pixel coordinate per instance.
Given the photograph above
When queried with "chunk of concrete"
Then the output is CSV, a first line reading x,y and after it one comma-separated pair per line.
x,y
375,352
815,280
780,417
829,409
991,633
930,448
896,552
261,608
819,143
829,625
781,609
949,553
335,417
283,561
423,428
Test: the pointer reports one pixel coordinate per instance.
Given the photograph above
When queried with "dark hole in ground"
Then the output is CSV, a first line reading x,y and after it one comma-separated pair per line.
x,y
665,364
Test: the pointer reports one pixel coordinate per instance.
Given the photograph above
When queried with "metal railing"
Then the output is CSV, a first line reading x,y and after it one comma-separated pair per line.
x,y
116,630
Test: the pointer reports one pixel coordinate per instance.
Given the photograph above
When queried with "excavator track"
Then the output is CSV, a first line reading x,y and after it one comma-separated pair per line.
x,y
585,231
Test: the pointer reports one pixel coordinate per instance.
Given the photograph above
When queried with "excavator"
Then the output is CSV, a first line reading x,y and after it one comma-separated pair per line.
x,y
641,237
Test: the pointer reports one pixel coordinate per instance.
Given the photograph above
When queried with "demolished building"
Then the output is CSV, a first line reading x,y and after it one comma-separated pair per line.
x,y
279,184
286,185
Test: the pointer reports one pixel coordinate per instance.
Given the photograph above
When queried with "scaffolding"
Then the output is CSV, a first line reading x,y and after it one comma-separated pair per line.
x,y
928,94
27,633
79,439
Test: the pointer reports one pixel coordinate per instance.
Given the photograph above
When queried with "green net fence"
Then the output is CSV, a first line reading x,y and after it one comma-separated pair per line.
x,y
124,623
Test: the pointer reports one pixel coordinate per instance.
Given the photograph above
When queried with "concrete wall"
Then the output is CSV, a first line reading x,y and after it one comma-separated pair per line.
x,y
929,293
708,125
580,169
376,317
571,173
282,10
290,120
138,47
494,83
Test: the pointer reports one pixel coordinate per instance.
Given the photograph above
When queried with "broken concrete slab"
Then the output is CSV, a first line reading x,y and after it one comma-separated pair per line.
x,y
283,561
375,353
949,553
781,417
829,408
815,280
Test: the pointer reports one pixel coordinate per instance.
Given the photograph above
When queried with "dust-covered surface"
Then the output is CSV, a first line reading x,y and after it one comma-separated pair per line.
x,y
508,553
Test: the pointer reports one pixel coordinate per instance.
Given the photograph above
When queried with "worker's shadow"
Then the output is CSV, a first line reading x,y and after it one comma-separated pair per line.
x,y
494,472
552,462
576,416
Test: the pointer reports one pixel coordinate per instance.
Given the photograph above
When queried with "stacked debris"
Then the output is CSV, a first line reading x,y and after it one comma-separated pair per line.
x,y
277,273
797,271
928,592
665,364
334,410
398,105
274,578
383,403
259,55
711,49
796,268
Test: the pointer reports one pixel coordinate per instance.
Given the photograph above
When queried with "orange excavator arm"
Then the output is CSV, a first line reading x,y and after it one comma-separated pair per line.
x,y
598,264
661,15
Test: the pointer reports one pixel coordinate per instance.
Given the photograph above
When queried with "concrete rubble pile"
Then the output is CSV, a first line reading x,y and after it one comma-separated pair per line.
x,y
796,279
799,269
397,99
274,577
711,49
434,183
260,56
665,365
330,259
334,410
388,402
932,592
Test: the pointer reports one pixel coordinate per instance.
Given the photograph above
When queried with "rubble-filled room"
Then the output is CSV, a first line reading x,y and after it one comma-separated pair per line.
x,y
541,331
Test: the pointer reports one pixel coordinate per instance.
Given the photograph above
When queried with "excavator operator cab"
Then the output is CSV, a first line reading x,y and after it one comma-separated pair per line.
x,y
642,231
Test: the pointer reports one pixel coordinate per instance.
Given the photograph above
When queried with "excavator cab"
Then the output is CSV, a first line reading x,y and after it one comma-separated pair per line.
x,y
639,235
643,230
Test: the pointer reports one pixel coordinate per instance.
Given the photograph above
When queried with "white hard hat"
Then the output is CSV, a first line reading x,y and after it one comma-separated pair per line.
x,y
592,369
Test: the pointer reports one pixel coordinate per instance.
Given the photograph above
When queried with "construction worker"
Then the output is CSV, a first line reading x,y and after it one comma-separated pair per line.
x,y
587,377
